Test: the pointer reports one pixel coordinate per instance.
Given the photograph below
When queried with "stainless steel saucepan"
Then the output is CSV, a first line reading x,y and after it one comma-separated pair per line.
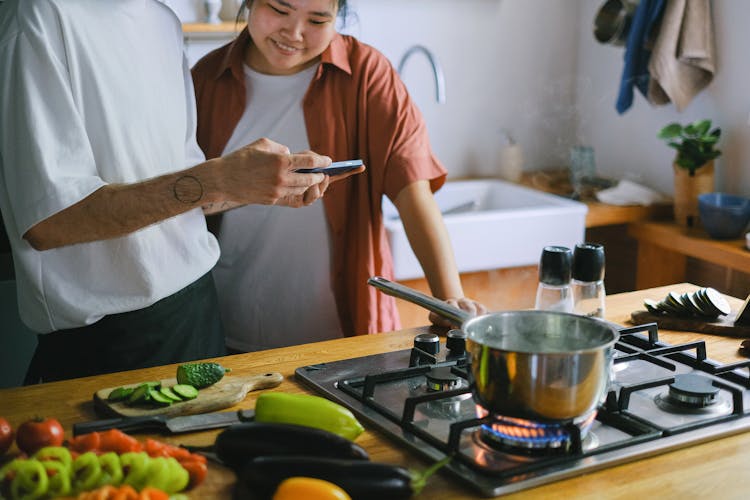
x,y
535,365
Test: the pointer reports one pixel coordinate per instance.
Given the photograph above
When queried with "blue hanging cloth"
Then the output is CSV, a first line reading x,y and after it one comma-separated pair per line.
x,y
635,72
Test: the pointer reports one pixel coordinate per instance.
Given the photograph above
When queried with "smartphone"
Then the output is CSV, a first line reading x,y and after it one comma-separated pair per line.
x,y
335,168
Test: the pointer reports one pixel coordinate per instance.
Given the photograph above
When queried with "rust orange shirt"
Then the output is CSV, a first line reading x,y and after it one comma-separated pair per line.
x,y
356,107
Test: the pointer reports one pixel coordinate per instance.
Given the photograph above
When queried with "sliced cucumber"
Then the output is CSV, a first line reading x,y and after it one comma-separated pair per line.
x,y
153,393
158,398
140,394
120,393
185,391
168,392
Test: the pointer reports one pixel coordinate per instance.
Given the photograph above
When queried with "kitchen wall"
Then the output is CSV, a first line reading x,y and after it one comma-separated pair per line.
x,y
509,64
534,68
626,146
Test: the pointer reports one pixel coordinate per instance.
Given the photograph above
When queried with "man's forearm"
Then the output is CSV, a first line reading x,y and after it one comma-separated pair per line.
x,y
217,208
262,172
119,209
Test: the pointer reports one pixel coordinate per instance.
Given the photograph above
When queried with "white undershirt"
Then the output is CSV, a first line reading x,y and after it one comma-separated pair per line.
x,y
273,276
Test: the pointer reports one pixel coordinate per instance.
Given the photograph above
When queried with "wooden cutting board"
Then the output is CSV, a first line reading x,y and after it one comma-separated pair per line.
x,y
724,325
229,391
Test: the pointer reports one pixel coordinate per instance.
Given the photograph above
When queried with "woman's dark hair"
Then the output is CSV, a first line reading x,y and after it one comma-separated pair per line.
x,y
342,10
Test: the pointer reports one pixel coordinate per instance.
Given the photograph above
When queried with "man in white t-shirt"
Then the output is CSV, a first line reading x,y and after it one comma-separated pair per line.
x,y
103,188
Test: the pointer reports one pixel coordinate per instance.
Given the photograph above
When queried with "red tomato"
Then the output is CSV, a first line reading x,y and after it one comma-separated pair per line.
x,y
35,434
6,435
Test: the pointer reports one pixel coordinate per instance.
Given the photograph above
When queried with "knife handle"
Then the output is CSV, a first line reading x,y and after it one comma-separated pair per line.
x,y
127,424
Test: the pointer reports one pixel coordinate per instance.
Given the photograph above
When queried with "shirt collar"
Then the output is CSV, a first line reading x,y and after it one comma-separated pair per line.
x,y
234,57
335,55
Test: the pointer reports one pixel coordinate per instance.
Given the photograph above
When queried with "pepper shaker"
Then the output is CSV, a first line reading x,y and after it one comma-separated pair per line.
x,y
588,280
554,291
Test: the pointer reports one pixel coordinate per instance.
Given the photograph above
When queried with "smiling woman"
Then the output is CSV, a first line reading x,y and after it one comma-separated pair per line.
x,y
289,36
292,77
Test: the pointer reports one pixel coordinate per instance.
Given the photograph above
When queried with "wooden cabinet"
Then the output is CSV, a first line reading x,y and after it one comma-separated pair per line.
x,y
499,289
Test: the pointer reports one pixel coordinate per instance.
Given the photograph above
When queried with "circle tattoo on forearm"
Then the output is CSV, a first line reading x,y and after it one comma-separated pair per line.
x,y
187,189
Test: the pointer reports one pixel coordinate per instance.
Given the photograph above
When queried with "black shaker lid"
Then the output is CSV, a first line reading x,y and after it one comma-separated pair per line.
x,y
588,262
555,265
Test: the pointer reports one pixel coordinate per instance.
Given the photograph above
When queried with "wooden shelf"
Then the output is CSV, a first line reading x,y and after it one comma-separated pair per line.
x,y
664,246
693,242
227,27
602,214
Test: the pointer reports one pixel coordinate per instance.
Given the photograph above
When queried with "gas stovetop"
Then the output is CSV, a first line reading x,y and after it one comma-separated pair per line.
x,y
661,397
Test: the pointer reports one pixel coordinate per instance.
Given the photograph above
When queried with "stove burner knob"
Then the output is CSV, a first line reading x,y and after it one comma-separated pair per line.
x,y
427,342
455,341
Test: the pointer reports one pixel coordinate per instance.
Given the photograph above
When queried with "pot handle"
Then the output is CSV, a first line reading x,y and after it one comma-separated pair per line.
x,y
416,297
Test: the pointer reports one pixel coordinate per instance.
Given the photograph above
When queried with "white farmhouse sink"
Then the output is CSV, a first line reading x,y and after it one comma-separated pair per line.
x,y
493,224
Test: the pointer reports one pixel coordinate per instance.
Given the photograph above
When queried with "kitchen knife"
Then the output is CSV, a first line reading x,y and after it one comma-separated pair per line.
x,y
159,423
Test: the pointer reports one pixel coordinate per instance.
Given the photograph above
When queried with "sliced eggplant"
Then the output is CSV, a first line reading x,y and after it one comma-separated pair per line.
x,y
705,303
718,302
652,306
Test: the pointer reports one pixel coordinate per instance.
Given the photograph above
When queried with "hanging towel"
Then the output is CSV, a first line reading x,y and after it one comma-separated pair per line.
x,y
684,59
637,53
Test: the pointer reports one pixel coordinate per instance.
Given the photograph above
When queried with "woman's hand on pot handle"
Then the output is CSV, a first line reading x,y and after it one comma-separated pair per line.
x,y
465,304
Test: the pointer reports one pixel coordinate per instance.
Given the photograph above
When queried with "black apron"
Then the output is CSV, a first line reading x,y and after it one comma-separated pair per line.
x,y
182,327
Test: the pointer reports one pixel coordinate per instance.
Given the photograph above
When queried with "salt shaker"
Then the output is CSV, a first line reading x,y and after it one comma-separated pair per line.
x,y
588,280
554,291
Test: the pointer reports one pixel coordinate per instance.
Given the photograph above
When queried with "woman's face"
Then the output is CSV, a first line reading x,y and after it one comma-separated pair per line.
x,y
289,35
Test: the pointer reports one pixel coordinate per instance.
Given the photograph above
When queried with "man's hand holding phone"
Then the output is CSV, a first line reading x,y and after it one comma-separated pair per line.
x,y
336,168
334,172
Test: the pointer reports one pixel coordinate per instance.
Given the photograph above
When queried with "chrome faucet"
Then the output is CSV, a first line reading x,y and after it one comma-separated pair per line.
x,y
437,71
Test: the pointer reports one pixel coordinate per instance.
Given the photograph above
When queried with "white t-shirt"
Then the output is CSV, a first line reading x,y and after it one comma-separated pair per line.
x,y
95,93
274,274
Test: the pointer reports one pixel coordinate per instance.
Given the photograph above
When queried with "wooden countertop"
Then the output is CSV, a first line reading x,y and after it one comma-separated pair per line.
x,y
709,469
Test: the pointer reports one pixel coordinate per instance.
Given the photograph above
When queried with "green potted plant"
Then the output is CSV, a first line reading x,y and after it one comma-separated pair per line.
x,y
693,166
